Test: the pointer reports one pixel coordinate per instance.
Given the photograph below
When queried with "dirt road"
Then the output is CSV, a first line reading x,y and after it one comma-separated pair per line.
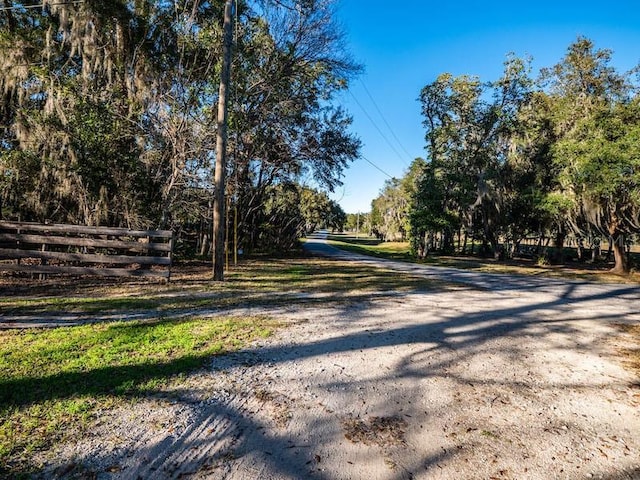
x,y
498,377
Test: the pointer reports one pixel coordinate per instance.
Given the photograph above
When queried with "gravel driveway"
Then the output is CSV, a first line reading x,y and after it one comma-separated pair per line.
x,y
497,377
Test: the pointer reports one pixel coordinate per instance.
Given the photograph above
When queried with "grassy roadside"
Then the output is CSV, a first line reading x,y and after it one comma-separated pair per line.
x,y
400,251
54,382
255,281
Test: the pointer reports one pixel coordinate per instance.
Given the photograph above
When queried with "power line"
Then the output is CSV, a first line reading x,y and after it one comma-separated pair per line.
x,y
376,166
384,119
378,129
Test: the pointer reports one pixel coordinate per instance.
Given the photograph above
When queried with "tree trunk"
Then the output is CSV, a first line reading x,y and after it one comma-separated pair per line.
x,y
621,266
221,149
580,249
558,246
447,241
609,251
595,252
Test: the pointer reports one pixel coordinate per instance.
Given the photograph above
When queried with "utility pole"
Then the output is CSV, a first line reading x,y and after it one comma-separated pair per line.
x,y
221,148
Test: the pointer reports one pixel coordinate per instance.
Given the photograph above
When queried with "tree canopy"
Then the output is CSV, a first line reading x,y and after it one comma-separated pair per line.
x,y
108,108
518,157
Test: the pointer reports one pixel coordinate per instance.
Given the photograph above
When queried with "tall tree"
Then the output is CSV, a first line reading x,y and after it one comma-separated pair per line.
x,y
319,211
389,211
601,172
292,61
88,91
595,116
221,147
469,126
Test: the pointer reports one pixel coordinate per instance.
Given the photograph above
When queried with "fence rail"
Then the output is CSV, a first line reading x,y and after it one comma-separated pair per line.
x,y
79,250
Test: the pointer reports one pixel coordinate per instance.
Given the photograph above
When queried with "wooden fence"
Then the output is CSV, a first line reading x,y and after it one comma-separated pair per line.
x,y
78,250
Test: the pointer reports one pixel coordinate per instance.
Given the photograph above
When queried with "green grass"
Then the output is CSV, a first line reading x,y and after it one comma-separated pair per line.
x,y
372,246
55,378
331,277
400,251
254,282
76,304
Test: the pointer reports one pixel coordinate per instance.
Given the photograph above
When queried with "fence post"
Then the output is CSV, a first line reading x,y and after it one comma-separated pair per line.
x,y
171,245
43,261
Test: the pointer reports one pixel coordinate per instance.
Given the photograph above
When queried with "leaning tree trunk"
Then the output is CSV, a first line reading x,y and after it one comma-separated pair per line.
x,y
621,266
616,243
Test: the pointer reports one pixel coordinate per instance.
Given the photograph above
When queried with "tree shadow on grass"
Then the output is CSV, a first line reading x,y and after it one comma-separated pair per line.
x,y
124,380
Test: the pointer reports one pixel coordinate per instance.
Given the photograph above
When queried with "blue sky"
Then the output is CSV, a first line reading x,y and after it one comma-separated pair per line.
x,y
406,45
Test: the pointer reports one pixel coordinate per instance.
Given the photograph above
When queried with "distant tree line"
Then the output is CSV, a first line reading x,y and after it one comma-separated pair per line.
x,y
550,157
107,116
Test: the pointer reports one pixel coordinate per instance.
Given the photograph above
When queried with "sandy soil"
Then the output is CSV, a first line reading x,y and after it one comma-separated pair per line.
x,y
499,378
